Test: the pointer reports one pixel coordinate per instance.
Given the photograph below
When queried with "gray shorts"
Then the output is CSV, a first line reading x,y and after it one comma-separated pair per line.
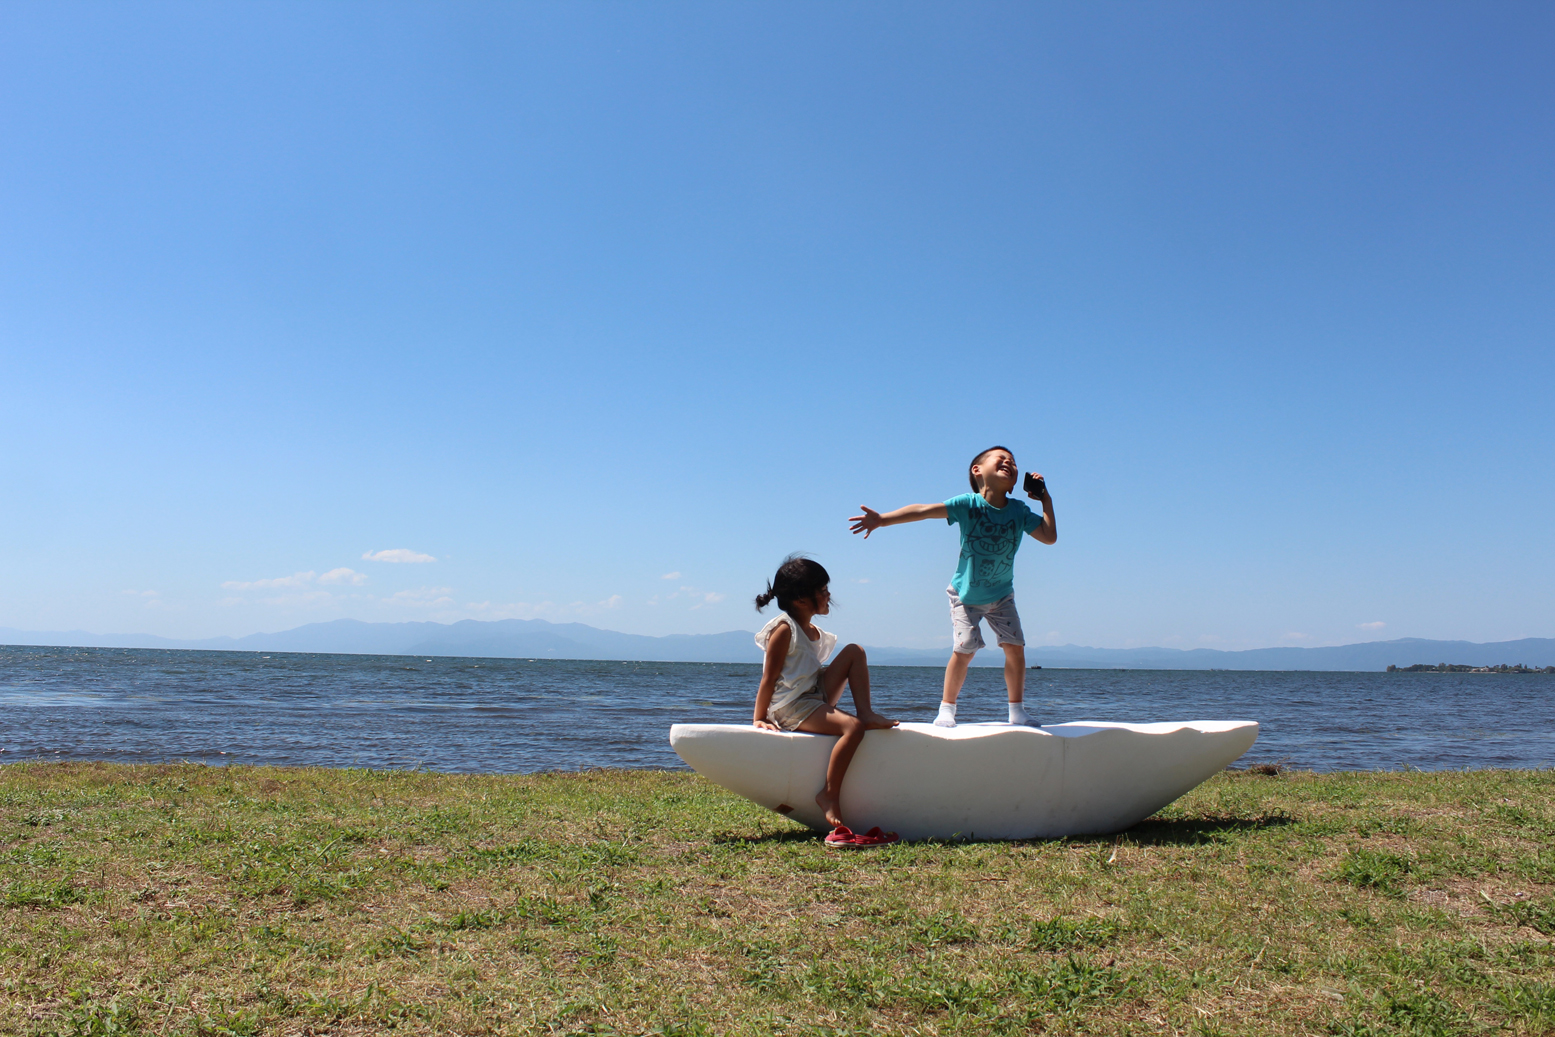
x,y
798,711
1002,618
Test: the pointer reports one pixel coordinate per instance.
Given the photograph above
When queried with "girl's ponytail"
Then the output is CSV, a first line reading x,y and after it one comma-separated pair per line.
x,y
798,577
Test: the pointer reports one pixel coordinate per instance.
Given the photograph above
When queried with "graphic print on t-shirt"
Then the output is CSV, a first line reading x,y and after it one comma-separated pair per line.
x,y
989,539
993,545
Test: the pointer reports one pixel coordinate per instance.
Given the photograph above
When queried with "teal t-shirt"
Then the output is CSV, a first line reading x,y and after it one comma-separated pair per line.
x,y
990,537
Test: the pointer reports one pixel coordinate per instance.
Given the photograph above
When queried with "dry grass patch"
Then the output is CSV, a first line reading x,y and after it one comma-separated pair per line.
x,y
227,901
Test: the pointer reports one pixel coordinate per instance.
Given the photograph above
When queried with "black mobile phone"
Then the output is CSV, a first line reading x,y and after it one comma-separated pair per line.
x,y
1035,484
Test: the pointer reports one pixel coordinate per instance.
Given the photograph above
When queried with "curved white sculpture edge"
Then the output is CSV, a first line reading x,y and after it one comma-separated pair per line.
x,y
974,781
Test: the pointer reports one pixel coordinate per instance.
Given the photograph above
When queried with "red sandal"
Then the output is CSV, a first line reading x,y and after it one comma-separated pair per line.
x,y
841,838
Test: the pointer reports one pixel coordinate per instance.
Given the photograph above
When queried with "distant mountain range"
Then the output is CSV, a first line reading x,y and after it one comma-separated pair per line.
x,y
538,639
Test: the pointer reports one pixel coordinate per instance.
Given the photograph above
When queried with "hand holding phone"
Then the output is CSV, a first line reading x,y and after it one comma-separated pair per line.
x,y
1036,486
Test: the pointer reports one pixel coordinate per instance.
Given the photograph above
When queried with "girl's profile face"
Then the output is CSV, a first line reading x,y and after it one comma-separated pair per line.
x,y
822,601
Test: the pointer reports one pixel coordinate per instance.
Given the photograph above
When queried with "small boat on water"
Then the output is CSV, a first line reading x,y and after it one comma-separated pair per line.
x,y
973,781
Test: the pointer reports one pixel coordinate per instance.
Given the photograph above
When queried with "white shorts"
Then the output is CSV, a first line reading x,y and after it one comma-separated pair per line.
x,y
1003,621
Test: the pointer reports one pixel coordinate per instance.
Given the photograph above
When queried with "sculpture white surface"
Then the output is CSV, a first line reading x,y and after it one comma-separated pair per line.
x,y
974,781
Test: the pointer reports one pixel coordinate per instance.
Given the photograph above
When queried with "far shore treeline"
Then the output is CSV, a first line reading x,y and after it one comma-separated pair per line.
x,y
1462,668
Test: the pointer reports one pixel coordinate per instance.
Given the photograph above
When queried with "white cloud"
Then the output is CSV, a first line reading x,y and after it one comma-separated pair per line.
x,y
294,580
670,576
397,554
344,575
862,579
1378,625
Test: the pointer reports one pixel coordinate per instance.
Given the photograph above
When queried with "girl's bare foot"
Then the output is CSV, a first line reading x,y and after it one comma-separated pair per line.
x,y
828,804
876,721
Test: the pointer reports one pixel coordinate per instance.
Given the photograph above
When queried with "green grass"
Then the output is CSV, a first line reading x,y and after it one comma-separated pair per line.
x,y
244,901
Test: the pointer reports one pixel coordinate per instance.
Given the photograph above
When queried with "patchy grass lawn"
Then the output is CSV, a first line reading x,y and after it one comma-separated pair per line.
x,y
195,900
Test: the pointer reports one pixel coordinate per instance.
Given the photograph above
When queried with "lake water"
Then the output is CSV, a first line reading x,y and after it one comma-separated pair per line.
x,y
513,715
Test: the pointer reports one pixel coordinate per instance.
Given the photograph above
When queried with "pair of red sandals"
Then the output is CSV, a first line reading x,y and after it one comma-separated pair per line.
x,y
841,838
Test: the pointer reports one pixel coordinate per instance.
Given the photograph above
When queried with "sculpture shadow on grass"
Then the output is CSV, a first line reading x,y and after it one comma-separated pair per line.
x,y
1197,831
1184,831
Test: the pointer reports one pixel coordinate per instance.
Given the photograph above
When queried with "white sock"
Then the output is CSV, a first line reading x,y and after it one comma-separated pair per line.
x,y
1018,715
947,715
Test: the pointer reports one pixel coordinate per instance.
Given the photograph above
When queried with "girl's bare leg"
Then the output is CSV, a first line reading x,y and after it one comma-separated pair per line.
x,y
850,734
852,666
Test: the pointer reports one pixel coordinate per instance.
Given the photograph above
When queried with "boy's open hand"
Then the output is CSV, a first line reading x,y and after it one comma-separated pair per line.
x,y
866,523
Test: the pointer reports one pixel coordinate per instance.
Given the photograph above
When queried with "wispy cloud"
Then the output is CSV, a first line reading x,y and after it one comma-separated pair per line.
x,y
542,609
1295,636
397,554
671,576
702,597
150,599
698,598
422,597
299,590
307,599
294,580
1378,625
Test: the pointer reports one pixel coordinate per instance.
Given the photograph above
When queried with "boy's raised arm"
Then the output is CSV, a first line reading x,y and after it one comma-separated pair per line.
x,y
1046,533
872,520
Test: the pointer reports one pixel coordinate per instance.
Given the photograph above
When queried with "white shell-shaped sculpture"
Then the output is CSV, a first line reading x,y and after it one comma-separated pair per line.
x,y
974,781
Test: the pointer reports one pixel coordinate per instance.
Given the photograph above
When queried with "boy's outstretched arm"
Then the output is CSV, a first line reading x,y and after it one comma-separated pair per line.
x,y
872,520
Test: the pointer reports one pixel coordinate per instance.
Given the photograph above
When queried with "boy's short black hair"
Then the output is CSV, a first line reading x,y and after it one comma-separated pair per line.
x,y
976,460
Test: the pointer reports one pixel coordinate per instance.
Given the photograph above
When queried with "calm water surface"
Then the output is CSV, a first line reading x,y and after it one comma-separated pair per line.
x,y
511,715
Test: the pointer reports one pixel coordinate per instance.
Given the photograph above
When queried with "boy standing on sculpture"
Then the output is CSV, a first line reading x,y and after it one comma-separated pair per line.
x,y
992,527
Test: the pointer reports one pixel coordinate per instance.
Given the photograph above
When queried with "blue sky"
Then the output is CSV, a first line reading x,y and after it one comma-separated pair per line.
x,y
604,308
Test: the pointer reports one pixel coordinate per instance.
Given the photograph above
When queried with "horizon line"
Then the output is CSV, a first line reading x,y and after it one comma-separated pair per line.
x,y
892,648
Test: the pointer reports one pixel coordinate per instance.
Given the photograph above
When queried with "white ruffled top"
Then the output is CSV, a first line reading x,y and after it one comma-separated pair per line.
x,y
804,661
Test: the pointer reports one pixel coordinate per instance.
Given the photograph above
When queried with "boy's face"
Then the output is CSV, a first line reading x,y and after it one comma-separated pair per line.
x,y
997,471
